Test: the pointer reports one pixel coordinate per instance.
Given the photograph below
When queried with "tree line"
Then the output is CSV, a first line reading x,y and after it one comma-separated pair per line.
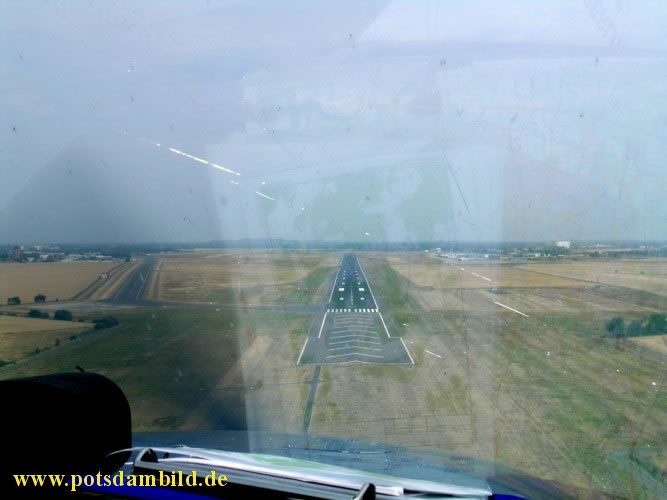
x,y
16,300
655,324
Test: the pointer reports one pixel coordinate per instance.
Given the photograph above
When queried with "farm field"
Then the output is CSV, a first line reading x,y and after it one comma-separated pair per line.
x,y
56,280
21,336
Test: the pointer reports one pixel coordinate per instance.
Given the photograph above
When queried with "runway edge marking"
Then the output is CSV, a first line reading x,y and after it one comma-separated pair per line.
x,y
302,350
322,325
406,350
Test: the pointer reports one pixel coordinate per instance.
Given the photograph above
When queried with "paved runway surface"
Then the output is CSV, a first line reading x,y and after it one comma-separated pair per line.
x,y
352,329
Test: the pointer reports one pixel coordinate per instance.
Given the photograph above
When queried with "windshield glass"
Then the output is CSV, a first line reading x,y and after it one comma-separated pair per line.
x,y
388,226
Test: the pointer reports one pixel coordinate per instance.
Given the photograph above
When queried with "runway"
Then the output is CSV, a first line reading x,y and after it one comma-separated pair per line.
x,y
352,328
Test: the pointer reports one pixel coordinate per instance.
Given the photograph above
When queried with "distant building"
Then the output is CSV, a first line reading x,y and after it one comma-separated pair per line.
x,y
563,244
16,253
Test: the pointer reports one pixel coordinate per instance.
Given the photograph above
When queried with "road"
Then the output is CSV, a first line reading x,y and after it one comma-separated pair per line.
x,y
352,328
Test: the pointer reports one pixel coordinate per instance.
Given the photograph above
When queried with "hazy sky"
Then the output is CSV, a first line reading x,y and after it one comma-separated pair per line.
x,y
478,120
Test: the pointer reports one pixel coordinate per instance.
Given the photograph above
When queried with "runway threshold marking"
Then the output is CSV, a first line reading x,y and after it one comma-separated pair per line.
x,y
354,347
362,341
353,330
355,354
511,309
355,335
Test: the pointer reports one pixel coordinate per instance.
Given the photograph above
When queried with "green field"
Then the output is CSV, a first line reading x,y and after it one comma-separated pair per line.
x,y
168,361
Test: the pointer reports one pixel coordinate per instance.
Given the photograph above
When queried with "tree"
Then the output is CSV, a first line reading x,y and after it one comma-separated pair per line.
x,y
36,313
13,301
63,314
616,327
40,299
657,324
634,329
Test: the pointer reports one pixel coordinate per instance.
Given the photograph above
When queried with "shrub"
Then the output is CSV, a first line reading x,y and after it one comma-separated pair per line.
x,y
107,322
63,314
36,313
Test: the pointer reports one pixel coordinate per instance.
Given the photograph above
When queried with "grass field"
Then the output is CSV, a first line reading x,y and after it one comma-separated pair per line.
x,y
56,280
546,392
192,369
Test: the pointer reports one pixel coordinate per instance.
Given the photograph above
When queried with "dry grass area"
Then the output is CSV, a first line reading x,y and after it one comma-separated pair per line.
x,y
434,284
21,336
248,278
641,274
656,343
432,272
61,280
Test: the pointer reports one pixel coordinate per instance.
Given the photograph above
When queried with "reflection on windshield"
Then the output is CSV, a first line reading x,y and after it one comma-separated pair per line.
x,y
402,227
